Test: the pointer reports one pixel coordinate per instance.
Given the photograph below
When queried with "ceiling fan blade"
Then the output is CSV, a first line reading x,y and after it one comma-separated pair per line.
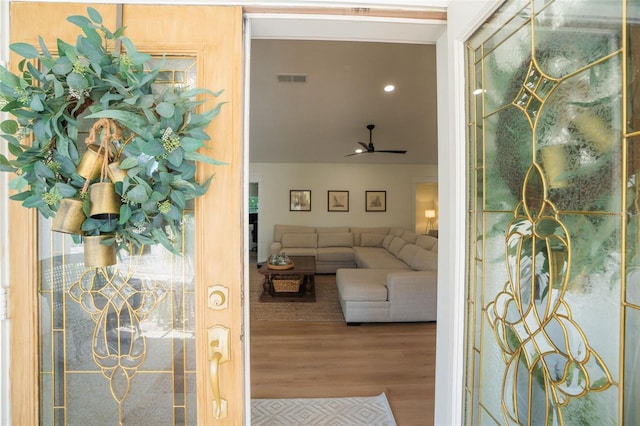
x,y
392,151
370,149
358,153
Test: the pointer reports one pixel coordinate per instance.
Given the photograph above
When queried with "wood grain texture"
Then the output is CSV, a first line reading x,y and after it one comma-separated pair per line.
x,y
214,36
300,359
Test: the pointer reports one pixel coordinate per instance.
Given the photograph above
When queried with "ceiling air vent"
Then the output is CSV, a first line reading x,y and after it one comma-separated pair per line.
x,y
292,78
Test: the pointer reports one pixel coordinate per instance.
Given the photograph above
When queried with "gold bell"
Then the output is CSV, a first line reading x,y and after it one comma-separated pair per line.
x,y
91,162
96,254
115,173
69,217
105,202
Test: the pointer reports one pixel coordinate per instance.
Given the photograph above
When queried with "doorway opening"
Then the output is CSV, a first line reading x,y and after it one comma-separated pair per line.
x,y
263,27
254,197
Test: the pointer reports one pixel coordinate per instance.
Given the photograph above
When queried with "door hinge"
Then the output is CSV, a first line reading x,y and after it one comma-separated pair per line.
x,y
4,311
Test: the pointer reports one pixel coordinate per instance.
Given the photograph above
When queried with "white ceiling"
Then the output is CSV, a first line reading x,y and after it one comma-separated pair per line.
x,y
322,120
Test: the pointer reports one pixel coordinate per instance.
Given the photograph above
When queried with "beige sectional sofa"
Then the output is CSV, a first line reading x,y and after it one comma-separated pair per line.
x,y
383,274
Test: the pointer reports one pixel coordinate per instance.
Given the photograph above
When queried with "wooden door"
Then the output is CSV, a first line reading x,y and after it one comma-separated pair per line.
x,y
211,38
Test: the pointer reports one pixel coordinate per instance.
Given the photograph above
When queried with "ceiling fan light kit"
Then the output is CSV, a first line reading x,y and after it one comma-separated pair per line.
x,y
370,149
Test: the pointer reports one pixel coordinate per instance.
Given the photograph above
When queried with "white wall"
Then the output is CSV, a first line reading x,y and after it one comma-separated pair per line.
x,y
276,180
426,198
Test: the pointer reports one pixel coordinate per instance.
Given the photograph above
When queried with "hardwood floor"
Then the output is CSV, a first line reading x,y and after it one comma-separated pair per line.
x,y
301,359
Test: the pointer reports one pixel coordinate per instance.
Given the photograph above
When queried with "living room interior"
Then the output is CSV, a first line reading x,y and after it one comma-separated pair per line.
x,y
301,132
310,104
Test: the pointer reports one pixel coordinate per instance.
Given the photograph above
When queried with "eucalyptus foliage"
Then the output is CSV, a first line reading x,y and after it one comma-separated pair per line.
x,y
162,132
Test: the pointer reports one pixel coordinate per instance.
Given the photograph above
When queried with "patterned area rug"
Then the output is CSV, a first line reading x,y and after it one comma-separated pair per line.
x,y
325,308
354,411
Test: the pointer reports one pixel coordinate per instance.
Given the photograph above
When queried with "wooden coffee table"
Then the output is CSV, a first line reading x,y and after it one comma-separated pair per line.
x,y
304,267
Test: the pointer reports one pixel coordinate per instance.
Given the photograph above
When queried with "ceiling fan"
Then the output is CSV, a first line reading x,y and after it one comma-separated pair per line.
x,y
370,149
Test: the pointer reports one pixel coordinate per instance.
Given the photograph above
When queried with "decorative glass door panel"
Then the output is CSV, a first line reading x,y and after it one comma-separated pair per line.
x,y
552,304
155,335
118,343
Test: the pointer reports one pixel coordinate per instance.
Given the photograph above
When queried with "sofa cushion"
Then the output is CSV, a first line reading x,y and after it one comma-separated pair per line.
x,y
303,239
371,240
361,284
335,254
300,251
424,260
359,231
408,252
426,241
409,236
435,247
396,232
387,241
396,245
279,230
321,229
335,239
377,258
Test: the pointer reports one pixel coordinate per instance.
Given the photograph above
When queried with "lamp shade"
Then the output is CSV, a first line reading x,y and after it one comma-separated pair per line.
x,y
430,213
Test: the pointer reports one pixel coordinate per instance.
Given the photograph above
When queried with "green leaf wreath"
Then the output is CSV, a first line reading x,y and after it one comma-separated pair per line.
x,y
156,139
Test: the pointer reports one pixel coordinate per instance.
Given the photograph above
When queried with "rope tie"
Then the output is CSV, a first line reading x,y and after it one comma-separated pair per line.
x,y
110,132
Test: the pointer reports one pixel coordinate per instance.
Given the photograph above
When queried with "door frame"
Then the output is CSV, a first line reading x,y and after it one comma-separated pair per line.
x,y
290,26
463,17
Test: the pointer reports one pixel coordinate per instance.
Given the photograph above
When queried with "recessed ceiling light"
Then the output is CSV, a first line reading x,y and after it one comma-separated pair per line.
x,y
359,151
389,88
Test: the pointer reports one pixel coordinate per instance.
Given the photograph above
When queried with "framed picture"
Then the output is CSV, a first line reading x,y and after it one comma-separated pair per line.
x,y
300,200
376,201
338,201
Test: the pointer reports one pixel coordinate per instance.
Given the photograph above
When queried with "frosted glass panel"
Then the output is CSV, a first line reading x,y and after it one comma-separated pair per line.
x,y
553,222
118,343
503,63
632,362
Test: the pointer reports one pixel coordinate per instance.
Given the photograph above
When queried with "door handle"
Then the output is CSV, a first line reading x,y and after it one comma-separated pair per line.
x,y
219,344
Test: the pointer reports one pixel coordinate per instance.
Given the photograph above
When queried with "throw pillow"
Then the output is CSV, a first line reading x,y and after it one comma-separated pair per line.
x,y
387,241
426,241
424,260
396,245
409,236
408,252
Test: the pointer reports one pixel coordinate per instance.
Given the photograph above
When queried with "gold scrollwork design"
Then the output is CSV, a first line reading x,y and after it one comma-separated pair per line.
x,y
117,304
548,357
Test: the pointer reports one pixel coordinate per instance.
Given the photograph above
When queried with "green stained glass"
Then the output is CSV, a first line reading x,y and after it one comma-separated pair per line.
x,y
554,214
